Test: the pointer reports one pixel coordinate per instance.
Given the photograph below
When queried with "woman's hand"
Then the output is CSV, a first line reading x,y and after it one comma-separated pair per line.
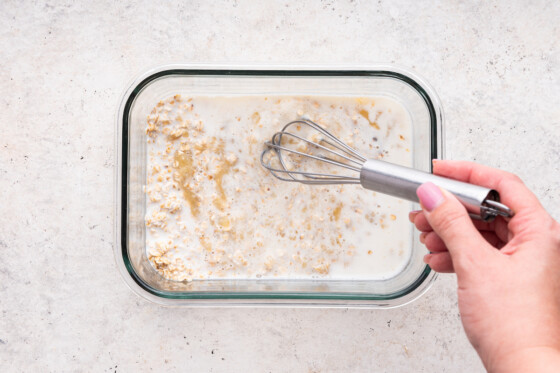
x,y
508,271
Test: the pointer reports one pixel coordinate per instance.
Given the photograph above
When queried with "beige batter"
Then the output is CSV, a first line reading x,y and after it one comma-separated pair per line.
x,y
212,211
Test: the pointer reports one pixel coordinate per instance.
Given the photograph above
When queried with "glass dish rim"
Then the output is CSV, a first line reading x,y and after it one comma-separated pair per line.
x,y
305,299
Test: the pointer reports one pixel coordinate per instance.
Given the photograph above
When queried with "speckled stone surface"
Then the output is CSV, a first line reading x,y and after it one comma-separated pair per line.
x,y
65,64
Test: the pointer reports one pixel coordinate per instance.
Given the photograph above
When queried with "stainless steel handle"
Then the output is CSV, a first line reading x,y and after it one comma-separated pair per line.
x,y
399,181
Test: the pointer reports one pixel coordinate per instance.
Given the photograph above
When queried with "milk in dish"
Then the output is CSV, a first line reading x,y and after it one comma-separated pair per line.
x,y
212,210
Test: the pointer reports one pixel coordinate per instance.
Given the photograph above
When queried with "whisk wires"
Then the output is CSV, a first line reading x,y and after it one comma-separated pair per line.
x,y
303,143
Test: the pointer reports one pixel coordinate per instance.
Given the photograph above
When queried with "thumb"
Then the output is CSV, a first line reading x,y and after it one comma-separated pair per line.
x,y
450,220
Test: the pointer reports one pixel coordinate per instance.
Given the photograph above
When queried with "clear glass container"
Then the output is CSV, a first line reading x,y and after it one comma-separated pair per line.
x,y
130,249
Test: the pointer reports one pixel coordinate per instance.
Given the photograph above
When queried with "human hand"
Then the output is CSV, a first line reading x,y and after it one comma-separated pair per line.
x,y
508,271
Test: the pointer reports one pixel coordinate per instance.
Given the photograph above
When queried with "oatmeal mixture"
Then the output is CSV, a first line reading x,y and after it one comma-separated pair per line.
x,y
212,210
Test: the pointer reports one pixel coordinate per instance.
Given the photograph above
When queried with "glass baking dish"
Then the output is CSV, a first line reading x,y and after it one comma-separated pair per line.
x,y
407,88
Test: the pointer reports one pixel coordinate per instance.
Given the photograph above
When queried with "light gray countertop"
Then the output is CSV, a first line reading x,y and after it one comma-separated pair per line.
x,y
65,65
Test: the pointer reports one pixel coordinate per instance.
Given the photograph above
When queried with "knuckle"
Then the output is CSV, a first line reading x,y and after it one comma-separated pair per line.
x,y
513,178
508,179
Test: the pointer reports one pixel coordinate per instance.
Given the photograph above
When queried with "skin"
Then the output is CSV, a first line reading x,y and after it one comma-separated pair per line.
x,y
508,271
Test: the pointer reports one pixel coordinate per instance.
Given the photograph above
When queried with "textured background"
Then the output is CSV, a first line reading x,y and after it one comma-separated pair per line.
x,y
64,66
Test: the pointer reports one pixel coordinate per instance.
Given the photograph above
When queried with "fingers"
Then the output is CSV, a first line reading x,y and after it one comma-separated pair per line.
x,y
450,221
440,262
432,242
512,191
499,225
435,244
419,220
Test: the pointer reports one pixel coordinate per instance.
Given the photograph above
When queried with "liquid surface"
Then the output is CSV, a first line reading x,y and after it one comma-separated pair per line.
x,y
212,210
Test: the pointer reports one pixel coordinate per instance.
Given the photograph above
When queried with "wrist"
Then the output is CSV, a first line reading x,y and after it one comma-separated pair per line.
x,y
535,359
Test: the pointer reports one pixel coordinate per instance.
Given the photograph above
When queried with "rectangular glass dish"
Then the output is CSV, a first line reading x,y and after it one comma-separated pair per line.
x,y
415,95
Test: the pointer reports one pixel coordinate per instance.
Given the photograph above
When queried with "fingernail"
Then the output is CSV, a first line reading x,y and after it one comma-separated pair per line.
x,y
412,215
423,237
427,258
430,196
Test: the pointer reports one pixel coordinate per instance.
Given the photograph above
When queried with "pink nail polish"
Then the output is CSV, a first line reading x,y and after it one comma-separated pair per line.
x,y
430,196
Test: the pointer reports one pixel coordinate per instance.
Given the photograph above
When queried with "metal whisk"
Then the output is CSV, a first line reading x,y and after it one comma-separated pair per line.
x,y
290,152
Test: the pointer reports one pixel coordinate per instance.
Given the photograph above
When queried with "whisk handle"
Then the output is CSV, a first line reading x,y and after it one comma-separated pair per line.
x,y
399,181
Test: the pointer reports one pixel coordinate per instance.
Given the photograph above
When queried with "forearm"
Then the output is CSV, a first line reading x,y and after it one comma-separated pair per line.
x,y
538,360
